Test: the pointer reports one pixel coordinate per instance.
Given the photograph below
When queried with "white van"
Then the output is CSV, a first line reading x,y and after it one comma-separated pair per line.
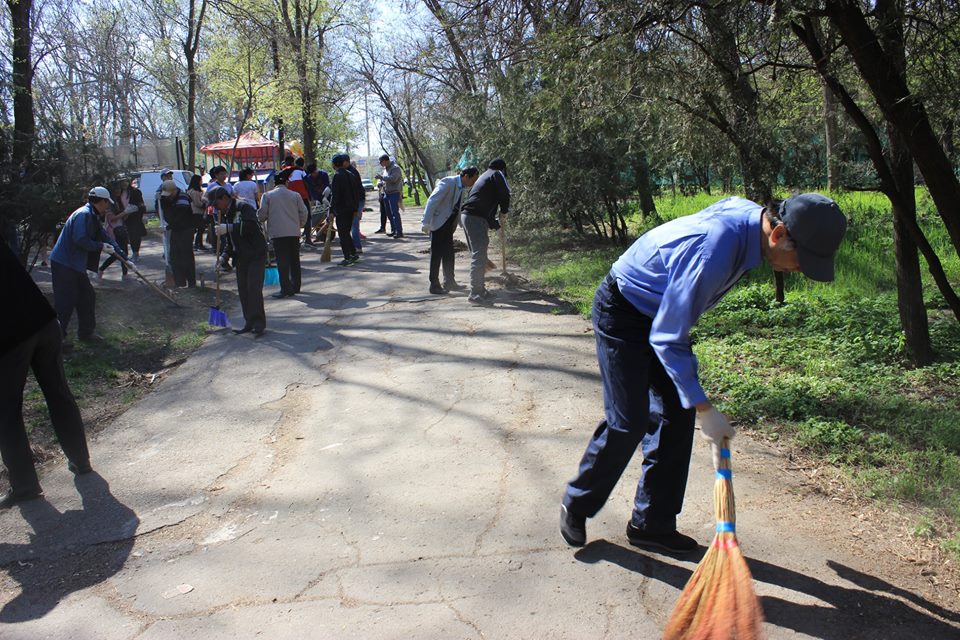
x,y
149,183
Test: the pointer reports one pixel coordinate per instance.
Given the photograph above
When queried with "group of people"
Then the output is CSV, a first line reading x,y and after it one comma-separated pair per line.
x,y
642,315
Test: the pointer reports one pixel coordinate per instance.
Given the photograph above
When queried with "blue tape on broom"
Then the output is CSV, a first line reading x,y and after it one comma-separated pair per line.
x,y
724,474
726,527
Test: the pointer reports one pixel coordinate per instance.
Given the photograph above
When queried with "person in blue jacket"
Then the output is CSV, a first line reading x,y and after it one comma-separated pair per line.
x,y
642,315
78,250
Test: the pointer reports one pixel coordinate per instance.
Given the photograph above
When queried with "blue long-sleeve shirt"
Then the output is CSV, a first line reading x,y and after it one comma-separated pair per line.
x,y
81,234
677,271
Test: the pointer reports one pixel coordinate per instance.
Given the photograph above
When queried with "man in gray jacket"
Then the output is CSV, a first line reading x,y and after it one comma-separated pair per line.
x,y
392,177
440,218
285,214
478,215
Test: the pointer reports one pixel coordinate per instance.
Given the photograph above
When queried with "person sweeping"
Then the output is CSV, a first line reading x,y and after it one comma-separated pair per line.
x,y
251,253
642,315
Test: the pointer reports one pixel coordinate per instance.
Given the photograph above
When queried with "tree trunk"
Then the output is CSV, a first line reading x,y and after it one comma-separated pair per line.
x,y
913,314
24,127
191,113
830,137
904,111
645,186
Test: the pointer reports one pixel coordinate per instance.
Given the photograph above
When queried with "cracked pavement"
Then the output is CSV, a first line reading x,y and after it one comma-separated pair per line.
x,y
385,463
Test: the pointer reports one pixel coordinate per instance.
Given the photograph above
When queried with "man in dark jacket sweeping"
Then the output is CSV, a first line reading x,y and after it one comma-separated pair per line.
x,y
30,338
478,215
251,255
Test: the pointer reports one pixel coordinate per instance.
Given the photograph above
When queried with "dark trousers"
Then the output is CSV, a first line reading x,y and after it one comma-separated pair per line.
x,y
42,353
123,240
308,226
182,263
250,291
344,227
441,252
383,214
287,250
641,407
200,226
72,290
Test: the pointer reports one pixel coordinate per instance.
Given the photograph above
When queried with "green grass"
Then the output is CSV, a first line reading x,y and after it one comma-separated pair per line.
x,y
825,373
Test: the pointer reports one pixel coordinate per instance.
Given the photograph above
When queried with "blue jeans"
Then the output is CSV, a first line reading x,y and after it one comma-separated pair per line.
x,y
641,407
355,231
393,212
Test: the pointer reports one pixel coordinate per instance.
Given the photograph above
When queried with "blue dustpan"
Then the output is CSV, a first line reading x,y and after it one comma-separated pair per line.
x,y
271,277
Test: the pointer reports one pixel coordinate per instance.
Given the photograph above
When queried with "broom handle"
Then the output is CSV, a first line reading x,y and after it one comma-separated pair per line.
x,y
503,245
131,266
216,257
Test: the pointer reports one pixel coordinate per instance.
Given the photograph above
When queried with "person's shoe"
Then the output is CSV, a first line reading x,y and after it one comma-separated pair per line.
x,y
344,263
487,294
136,258
12,497
79,469
437,289
244,330
257,333
279,294
572,528
391,235
355,258
380,230
398,236
674,542
480,301
453,286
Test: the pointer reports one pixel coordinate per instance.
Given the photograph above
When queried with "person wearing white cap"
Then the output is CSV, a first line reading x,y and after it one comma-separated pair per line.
x,y
77,250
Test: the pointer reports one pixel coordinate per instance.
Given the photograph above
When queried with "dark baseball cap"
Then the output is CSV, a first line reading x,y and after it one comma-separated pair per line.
x,y
339,159
216,193
817,226
497,164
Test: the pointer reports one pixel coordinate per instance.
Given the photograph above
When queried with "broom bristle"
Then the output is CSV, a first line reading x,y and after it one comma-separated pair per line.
x,y
718,602
218,318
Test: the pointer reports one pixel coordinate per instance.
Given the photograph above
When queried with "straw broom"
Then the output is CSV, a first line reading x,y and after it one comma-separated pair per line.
x,y
718,602
217,317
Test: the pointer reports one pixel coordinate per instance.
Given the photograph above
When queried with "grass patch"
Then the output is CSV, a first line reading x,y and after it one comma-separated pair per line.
x,y
824,373
144,338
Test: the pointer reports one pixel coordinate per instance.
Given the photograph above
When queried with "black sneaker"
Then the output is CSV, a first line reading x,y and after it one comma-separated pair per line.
x,y
12,497
674,542
380,230
437,290
572,528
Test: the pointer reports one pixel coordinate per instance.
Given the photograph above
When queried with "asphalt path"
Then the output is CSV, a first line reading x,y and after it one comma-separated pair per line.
x,y
386,463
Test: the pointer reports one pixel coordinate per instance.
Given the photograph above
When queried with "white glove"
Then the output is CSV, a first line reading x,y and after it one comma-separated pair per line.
x,y
109,248
426,229
221,229
714,426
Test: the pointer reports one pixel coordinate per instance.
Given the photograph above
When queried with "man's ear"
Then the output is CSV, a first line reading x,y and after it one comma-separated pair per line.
x,y
778,235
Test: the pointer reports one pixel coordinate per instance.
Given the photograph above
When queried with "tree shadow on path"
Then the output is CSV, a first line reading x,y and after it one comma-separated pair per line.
x,y
865,610
67,551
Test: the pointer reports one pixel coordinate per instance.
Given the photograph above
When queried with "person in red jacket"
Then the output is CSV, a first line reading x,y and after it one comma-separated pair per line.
x,y
296,182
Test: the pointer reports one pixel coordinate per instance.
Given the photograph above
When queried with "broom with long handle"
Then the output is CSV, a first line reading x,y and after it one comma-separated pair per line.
x,y
132,267
327,254
217,317
719,602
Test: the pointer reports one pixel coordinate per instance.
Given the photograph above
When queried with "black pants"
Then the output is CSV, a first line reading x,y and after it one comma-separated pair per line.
x,y
287,250
200,224
441,252
136,231
641,408
383,214
123,240
72,290
307,227
344,229
182,263
250,291
42,353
